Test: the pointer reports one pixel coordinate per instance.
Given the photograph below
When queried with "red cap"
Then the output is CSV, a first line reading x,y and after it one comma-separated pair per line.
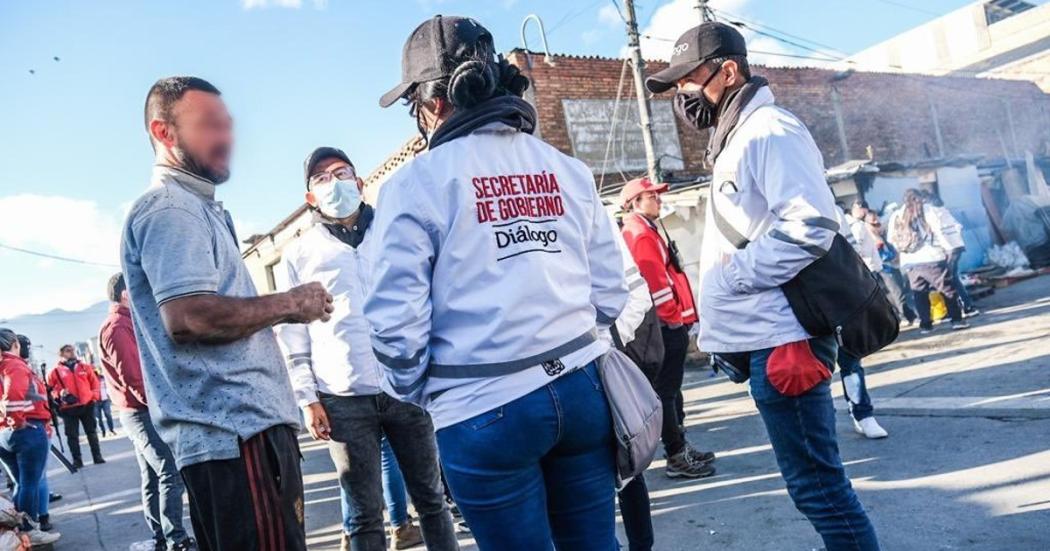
x,y
636,187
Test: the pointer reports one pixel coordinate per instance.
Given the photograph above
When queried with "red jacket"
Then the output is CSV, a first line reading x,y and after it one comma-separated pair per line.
x,y
668,286
25,396
120,359
80,381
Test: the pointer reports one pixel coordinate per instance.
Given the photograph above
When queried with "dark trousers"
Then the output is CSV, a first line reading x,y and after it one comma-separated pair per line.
x,y
252,502
924,278
893,285
72,419
637,516
953,269
854,386
358,424
161,484
802,432
668,386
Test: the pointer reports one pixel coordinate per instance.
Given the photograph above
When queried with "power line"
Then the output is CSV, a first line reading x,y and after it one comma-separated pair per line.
x,y
570,15
778,31
56,257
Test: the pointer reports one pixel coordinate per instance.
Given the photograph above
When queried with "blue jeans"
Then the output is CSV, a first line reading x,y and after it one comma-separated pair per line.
x,y
393,492
854,387
537,473
802,432
162,485
104,412
24,453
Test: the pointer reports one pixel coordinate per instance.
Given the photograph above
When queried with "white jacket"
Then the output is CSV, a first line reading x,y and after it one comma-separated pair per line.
x,y
769,185
933,248
333,357
494,261
860,237
949,229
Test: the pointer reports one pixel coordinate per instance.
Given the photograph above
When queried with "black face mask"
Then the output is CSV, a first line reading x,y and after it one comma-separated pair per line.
x,y
71,363
695,109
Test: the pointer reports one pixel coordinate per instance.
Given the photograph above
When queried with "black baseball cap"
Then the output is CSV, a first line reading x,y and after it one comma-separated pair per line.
x,y
697,45
432,50
320,154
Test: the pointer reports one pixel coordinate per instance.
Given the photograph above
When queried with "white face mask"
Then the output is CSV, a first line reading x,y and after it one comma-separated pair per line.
x,y
338,198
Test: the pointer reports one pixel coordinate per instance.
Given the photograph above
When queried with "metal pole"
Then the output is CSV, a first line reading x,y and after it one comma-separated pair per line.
x,y
705,12
638,66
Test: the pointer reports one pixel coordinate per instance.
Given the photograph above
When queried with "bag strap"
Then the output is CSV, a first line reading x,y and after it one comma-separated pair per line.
x,y
736,238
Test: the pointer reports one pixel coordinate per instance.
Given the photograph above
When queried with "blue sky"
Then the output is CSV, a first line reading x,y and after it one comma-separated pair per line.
x,y
295,74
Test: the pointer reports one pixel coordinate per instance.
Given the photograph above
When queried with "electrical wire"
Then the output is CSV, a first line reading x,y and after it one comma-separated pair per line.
x,y
909,7
56,257
778,31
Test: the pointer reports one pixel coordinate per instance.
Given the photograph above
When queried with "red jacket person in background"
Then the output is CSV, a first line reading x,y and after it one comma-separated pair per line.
x,y
162,486
24,434
75,387
673,299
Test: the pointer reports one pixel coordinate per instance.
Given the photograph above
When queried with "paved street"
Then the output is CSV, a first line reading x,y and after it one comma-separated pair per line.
x,y
966,466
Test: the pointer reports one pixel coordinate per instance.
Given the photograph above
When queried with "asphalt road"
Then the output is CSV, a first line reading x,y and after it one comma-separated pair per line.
x,y
966,466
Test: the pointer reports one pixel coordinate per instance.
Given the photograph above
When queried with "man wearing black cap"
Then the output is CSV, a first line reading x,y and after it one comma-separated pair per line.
x,y
770,214
336,377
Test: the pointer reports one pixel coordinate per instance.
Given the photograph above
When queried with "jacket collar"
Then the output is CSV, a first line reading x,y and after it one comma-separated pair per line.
x,y
119,310
635,218
163,174
10,356
352,236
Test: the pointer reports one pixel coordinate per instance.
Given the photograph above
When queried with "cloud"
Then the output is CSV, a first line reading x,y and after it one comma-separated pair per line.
x,y
610,16
293,4
672,19
62,226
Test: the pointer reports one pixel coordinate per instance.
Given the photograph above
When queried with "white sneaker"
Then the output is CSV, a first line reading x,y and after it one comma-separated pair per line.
x,y
870,428
37,537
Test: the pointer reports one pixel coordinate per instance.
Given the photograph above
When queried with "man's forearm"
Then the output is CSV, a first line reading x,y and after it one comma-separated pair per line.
x,y
217,319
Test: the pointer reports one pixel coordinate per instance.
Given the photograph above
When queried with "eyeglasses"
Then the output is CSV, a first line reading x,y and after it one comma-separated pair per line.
x,y
341,173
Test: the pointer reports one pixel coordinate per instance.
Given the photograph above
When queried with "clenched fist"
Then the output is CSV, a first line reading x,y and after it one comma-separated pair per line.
x,y
311,302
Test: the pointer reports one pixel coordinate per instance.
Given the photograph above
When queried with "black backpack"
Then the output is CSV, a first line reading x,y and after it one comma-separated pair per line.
x,y
835,295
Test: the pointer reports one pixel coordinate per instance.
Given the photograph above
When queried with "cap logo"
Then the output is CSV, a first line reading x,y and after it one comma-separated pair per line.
x,y
680,49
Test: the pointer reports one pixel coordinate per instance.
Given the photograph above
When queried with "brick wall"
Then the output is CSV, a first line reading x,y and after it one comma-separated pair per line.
x,y
890,113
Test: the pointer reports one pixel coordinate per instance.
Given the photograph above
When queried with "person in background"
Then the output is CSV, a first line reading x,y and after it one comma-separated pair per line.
x,y
951,235
494,267
854,384
46,497
24,436
336,377
162,487
219,393
74,386
775,216
673,297
894,283
638,336
103,408
924,259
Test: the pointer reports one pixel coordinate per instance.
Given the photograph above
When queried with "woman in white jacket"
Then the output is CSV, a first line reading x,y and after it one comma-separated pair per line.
x,y
494,264
924,259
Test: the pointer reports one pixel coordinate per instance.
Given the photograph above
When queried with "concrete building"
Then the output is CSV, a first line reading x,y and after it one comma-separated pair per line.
x,y
587,109
994,38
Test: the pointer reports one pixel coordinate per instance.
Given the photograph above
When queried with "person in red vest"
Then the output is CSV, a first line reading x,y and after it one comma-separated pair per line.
x,y
24,433
75,388
673,298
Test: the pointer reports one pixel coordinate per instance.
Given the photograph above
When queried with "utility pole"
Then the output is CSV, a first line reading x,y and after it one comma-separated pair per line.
x,y
638,65
705,12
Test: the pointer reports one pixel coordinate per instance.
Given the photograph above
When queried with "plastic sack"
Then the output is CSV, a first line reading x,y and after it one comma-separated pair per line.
x,y
11,540
938,308
1008,256
9,516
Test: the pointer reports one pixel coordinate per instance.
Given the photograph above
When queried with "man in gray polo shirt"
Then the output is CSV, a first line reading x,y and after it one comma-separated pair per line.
x,y
217,387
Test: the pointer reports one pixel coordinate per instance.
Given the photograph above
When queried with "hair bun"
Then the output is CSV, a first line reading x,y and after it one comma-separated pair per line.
x,y
511,79
471,83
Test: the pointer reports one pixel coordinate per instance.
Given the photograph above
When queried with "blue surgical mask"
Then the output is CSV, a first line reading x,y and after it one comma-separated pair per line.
x,y
338,199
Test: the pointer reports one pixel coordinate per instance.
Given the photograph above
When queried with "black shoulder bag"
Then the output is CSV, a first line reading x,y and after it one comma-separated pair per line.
x,y
835,295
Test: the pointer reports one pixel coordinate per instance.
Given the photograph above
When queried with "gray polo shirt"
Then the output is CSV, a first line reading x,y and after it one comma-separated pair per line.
x,y
179,241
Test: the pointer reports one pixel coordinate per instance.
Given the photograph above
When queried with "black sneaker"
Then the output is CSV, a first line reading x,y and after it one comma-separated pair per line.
x,y
78,464
681,465
45,523
699,456
98,460
51,498
188,544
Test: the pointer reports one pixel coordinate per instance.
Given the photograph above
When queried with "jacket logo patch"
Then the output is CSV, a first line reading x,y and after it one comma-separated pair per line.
x,y
522,210
553,367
